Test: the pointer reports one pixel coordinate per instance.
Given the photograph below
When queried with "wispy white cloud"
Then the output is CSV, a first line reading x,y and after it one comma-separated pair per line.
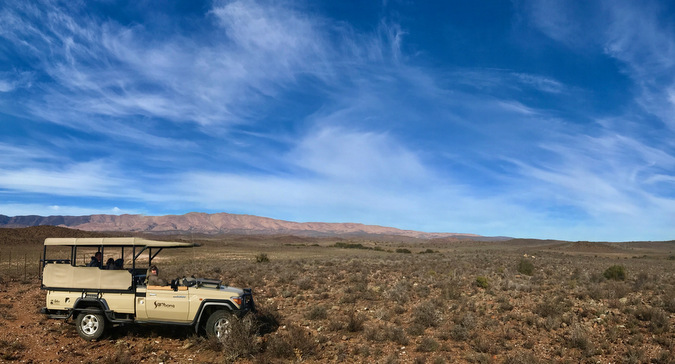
x,y
104,72
272,30
614,172
10,81
81,179
17,156
356,176
635,36
6,86
603,176
517,107
633,33
501,79
357,157
106,69
567,23
538,82
9,209
646,47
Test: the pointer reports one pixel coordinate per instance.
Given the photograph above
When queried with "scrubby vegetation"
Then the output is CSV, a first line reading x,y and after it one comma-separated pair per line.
x,y
465,303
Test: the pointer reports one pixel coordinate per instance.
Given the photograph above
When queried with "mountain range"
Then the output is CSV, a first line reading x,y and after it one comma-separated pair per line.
x,y
220,223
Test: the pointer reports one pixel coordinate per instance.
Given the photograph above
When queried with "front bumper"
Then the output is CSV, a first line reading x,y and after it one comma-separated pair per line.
x,y
247,304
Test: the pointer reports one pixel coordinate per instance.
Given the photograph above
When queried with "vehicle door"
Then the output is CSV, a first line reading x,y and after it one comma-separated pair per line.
x,y
163,303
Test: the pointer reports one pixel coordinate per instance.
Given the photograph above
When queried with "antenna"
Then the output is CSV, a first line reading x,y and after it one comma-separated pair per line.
x,y
192,240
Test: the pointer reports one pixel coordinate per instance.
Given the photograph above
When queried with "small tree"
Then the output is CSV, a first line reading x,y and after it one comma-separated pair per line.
x,y
615,272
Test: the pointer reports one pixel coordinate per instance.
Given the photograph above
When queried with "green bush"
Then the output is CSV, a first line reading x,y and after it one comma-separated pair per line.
x,y
615,272
403,250
525,267
482,282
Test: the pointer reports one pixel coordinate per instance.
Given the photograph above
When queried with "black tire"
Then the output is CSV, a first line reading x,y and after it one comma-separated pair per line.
x,y
90,325
219,324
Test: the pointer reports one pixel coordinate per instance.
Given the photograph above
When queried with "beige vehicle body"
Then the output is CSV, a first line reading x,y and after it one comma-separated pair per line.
x,y
99,297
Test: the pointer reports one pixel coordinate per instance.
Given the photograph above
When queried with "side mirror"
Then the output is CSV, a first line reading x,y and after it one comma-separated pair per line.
x,y
174,284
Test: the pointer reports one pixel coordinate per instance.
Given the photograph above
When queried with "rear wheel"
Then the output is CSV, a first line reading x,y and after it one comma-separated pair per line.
x,y
90,325
219,324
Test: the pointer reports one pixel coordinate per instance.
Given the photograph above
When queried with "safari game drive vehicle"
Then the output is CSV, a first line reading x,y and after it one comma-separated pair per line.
x,y
98,298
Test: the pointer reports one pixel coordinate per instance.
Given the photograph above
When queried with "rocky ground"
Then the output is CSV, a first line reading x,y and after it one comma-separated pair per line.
x,y
388,303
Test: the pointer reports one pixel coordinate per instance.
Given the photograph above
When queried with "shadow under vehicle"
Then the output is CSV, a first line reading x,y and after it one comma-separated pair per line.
x,y
98,298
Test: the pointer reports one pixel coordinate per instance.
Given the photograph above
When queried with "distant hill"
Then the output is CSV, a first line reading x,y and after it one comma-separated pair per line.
x,y
220,223
35,235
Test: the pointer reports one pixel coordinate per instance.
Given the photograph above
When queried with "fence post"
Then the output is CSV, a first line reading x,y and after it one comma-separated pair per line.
x,y
25,271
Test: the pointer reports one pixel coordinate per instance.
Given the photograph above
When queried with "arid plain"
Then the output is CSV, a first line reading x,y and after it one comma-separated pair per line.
x,y
398,300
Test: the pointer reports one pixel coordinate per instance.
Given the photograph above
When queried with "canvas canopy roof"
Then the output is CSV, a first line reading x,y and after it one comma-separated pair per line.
x,y
125,241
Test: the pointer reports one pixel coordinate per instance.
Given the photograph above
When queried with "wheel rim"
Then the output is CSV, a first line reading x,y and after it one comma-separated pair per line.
x,y
90,324
222,327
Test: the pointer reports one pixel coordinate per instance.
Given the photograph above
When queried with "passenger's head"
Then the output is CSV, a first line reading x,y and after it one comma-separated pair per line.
x,y
110,261
98,256
154,270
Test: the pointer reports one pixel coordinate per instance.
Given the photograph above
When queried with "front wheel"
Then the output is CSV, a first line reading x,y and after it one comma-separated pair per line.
x,y
218,324
90,325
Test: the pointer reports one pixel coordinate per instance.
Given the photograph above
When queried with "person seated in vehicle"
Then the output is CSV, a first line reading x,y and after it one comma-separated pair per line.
x,y
153,277
119,264
96,260
110,264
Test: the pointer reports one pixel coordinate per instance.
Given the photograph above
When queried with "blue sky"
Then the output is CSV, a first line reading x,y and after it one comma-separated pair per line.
x,y
541,119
